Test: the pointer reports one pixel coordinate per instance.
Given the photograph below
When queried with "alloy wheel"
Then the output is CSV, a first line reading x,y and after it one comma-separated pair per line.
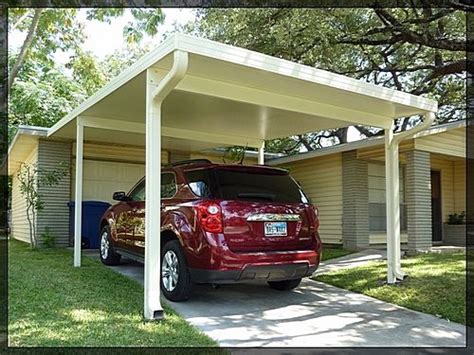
x,y
169,270
104,245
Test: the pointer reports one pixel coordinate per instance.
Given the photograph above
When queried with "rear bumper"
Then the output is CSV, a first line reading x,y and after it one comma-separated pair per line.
x,y
274,272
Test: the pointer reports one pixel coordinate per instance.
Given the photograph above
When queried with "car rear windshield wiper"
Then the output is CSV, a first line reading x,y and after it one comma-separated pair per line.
x,y
257,195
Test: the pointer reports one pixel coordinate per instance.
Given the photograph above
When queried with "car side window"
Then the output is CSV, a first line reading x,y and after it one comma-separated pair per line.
x,y
168,188
138,193
168,185
198,181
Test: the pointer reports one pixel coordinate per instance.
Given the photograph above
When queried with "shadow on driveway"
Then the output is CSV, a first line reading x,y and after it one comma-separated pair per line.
x,y
313,315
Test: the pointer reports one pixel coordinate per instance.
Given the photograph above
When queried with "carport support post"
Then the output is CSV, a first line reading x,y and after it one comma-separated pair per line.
x,y
157,89
393,206
261,154
78,192
152,304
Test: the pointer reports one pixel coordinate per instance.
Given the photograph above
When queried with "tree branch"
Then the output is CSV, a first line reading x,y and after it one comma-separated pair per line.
x,y
24,48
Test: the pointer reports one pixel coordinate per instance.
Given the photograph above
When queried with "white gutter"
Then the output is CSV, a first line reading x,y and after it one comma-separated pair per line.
x,y
157,90
392,182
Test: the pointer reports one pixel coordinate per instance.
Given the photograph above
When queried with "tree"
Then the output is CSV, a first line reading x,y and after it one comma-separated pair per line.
x,y
43,91
31,179
420,51
49,30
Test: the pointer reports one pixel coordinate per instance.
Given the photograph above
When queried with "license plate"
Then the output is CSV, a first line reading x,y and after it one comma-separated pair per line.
x,y
275,229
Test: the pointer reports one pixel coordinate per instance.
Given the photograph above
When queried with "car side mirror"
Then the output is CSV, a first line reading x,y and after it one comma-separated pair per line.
x,y
120,196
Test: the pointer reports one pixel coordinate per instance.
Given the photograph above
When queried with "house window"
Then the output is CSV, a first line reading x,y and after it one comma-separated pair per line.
x,y
377,195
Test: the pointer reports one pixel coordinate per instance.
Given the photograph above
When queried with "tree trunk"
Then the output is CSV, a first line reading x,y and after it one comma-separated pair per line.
x,y
24,48
28,217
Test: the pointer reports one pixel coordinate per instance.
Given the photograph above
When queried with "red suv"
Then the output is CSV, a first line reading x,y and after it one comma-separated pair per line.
x,y
220,224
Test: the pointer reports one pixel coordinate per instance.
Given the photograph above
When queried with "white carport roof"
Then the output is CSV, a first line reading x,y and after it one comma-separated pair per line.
x,y
233,96
195,94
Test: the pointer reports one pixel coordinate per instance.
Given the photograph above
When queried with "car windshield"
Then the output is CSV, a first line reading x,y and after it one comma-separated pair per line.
x,y
248,185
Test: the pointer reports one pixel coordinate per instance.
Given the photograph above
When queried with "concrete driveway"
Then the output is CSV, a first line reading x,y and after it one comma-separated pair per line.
x,y
313,315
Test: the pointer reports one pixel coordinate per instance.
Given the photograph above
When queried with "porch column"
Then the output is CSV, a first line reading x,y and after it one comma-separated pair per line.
x,y
152,304
418,198
78,192
355,207
261,154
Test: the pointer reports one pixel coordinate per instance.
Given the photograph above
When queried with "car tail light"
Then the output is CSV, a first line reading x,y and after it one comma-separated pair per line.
x,y
316,217
209,215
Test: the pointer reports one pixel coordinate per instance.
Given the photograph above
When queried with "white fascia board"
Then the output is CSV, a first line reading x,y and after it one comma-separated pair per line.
x,y
363,143
441,128
27,131
135,69
284,67
251,59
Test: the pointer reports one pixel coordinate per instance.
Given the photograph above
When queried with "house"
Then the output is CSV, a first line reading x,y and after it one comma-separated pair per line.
x,y
107,168
347,183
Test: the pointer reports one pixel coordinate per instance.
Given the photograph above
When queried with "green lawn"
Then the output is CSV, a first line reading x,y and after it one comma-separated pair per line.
x,y
331,253
436,284
52,303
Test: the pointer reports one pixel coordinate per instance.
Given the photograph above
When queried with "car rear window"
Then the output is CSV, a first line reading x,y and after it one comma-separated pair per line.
x,y
245,185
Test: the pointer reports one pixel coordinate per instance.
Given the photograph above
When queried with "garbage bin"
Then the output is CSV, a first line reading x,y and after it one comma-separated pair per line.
x,y
92,211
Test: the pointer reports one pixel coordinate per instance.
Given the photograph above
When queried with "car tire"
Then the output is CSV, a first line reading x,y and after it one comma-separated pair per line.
x,y
284,285
175,278
107,253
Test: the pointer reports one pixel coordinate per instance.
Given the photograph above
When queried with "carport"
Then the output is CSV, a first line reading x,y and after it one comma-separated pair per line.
x,y
192,94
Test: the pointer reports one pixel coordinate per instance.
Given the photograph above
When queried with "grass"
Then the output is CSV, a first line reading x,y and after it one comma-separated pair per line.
x,y
52,303
331,253
436,284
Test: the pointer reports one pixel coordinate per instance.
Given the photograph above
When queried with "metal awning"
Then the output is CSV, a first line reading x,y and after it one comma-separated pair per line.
x,y
192,94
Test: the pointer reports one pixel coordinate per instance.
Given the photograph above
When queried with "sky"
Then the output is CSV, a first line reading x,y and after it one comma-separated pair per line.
x,y
103,38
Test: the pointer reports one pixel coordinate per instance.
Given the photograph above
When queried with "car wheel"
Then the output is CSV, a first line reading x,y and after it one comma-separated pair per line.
x,y
284,285
108,256
176,282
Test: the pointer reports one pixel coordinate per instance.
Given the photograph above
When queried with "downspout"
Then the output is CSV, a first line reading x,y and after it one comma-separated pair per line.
x,y
393,195
157,90
175,75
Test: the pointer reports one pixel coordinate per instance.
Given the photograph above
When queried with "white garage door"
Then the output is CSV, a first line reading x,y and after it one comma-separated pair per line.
x,y
103,178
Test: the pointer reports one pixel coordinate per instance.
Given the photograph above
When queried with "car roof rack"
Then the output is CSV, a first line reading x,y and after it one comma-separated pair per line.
x,y
191,161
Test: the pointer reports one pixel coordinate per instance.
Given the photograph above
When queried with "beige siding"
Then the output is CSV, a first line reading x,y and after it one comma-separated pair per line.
x,y
20,228
446,167
55,215
321,179
452,142
459,186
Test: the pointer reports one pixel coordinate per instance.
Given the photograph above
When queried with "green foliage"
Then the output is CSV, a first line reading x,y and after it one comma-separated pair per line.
x,y
53,304
31,179
41,96
413,50
43,91
436,284
456,218
48,238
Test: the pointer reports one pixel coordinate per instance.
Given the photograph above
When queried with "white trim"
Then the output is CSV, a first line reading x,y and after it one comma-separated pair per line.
x,y
236,55
251,59
78,193
363,143
261,154
139,66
